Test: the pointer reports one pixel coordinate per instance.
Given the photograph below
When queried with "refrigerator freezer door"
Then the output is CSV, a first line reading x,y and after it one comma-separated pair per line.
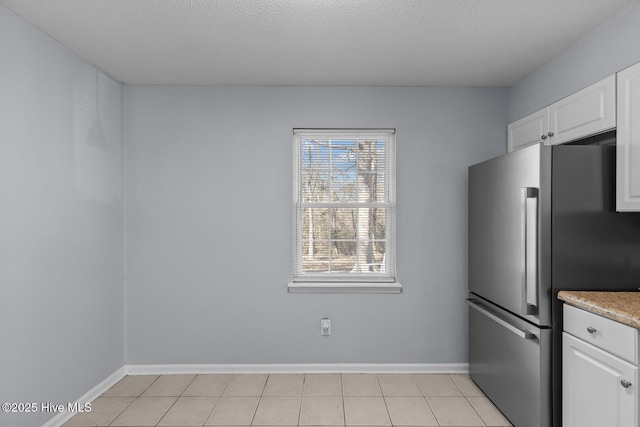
x,y
510,361
505,219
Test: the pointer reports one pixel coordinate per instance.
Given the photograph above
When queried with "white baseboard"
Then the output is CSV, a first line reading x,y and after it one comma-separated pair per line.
x,y
89,396
304,368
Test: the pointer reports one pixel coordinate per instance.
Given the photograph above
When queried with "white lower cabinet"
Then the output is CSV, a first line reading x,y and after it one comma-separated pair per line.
x,y
598,388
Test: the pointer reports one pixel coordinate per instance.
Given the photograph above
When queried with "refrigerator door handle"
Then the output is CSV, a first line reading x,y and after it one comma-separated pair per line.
x,y
529,239
526,335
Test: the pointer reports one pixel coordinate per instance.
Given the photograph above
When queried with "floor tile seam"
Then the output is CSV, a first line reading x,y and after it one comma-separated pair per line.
x,y
456,385
134,395
210,412
344,409
460,388
227,384
165,395
476,411
300,407
167,411
358,395
418,384
387,408
187,386
128,406
380,386
242,395
484,423
434,412
344,406
428,406
255,411
412,376
288,425
444,395
152,383
304,381
440,395
121,412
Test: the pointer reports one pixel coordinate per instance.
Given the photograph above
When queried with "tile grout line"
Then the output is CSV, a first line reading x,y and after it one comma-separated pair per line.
x,y
214,405
476,411
384,399
168,409
255,412
190,382
467,399
344,406
226,384
219,397
117,415
132,402
304,378
469,402
211,411
176,401
424,396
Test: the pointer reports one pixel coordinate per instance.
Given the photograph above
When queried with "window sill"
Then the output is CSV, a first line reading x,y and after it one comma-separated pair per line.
x,y
364,288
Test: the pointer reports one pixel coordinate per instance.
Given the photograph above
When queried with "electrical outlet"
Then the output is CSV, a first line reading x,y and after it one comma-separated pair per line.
x,y
325,327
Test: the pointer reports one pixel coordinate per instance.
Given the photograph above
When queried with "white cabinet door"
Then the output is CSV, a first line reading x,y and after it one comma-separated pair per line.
x,y
589,111
598,389
628,140
528,130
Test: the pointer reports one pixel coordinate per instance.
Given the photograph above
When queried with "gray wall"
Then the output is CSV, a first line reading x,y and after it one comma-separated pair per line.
x,y
208,208
603,52
61,226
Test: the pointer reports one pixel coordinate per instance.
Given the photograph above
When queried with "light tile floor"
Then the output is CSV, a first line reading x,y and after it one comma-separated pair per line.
x,y
292,400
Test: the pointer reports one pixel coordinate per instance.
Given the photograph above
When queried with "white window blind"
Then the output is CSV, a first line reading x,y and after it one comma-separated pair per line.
x,y
344,205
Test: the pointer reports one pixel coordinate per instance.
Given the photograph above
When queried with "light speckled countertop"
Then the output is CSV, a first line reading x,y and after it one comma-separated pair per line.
x,y
623,307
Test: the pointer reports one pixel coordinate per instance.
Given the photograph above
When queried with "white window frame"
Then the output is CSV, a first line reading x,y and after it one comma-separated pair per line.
x,y
378,282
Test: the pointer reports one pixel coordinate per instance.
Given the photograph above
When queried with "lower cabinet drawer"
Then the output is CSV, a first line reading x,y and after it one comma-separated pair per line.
x,y
609,335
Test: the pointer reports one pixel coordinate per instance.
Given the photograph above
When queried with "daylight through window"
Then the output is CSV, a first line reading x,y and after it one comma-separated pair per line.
x,y
344,205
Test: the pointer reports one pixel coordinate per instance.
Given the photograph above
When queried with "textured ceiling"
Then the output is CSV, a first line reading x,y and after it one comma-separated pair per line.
x,y
319,42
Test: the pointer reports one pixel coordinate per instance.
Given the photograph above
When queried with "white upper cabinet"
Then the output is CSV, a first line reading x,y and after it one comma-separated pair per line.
x,y
628,140
528,130
589,111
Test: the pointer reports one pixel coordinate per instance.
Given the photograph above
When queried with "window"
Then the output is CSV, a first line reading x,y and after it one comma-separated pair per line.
x,y
344,206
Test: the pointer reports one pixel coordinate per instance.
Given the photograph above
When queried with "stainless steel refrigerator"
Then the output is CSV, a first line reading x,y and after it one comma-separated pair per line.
x,y
541,219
